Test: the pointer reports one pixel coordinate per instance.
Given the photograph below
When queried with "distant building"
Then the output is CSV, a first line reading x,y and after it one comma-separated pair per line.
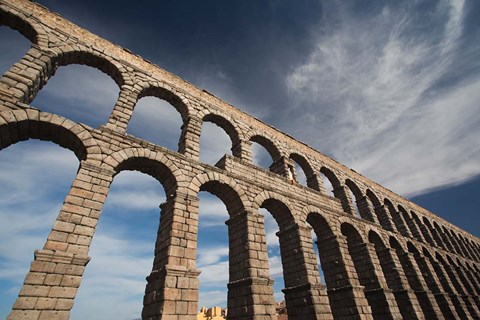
x,y
215,313
281,309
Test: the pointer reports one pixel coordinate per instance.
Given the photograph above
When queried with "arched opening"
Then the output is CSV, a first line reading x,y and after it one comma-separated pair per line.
x,y
274,256
382,213
474,276
393,275
444,237
80,93
122,250
461,275
129,239
336,267
362,205
421,227
431,281
157,121
443,277
398,221
246,256
355,195
35,177
262,146
314,237
414,231
474,249
277,216
456,237
365,271
328,185
413,277
16,23
451,275
449,236
467,247
321,234
12,47
212,251
260,156
216,139
340,192
434,232
304,172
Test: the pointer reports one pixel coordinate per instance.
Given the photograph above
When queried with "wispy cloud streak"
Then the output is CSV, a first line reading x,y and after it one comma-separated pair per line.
x,y
388,106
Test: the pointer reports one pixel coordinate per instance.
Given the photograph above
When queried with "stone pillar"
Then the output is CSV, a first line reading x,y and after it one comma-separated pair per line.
x,y
280,166
473,280
467,248
56,272
425,231
123,110
384,218
25,78
446,240
414,229
341,193
460,245
305,296
243,150
417,283
250,288
475,273
401,224
456,245
436,236
468,285
366,210
172,286
379,296
476,251
473,249
460,289
316,183
447,285
189,143
347,298
397,281
433,283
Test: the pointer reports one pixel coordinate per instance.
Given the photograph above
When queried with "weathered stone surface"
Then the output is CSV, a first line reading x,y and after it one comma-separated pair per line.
x,y
392,260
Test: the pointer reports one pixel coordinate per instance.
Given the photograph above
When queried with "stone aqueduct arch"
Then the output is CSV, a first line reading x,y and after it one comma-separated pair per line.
x,y
395,261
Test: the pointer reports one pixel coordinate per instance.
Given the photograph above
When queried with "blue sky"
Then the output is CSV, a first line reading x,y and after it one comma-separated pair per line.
x,y
389,89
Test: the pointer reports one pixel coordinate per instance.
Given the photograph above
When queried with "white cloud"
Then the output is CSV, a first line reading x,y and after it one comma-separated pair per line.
x,y
122,250
276,270
214,274
212,212
80,93
157,121
35,176
211,298
260,156
211,255
135,199
114,277
271,228
388,108
214,143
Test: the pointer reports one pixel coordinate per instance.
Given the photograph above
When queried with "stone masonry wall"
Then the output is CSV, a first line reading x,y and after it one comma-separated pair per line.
x,y
391,260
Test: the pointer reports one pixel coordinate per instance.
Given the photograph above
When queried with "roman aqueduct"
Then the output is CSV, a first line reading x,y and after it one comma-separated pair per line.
x,y
393,260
